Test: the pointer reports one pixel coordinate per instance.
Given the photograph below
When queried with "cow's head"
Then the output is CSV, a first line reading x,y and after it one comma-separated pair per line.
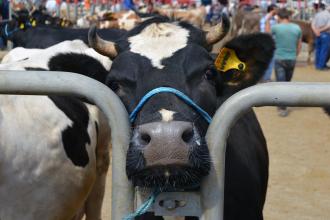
x,y
20,21
168,148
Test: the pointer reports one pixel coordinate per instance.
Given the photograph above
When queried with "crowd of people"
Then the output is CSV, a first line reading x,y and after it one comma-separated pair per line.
x,y
288,41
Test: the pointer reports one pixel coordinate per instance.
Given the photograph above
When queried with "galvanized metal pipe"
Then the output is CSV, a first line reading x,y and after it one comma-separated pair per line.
x,y
75,14
64,83
68,6
268,94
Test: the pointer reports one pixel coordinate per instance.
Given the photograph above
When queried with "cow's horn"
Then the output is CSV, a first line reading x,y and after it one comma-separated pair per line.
x,y
218,32
106,48
32,10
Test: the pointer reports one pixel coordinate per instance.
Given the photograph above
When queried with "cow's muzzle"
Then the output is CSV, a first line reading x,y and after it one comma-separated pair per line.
x,y
167,155
165,143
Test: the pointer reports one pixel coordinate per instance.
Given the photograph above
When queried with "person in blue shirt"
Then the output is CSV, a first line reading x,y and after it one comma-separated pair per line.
x,y
321,28
287,38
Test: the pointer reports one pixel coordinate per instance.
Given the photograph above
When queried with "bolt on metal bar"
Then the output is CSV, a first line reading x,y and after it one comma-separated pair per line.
x,y
65,83
267,94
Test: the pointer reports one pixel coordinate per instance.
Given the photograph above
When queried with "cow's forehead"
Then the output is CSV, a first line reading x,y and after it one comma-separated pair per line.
x,y
158,41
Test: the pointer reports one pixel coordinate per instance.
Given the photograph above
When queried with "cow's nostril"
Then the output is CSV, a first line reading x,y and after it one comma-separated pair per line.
x,y
145,138
188,135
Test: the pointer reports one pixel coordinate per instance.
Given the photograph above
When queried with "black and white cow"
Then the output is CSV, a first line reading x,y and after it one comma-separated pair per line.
x,y
54,150
168,149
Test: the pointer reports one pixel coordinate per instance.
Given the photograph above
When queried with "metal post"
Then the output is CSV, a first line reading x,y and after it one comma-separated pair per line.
x,y
75,10
68,5
64,83
267,94
93,5
58,8
10,17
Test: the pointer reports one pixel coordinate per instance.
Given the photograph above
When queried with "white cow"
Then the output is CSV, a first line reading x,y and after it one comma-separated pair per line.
x,y
54,151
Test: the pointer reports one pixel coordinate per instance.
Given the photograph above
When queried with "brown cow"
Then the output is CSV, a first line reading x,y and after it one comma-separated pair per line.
x,y
194,16
308,36
122,20
245,22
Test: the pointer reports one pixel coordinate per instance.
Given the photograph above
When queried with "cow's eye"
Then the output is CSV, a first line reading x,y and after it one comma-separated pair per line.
x,y
114,86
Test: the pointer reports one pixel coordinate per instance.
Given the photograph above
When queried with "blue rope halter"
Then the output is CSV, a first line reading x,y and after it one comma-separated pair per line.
x,y
179,94
150,201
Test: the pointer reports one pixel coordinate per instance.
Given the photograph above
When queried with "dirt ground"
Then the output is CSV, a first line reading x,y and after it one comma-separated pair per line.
x,y
299,150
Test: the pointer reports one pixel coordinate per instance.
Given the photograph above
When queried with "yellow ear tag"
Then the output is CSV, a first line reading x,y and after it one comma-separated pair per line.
x,y
227,60
34,23
21,26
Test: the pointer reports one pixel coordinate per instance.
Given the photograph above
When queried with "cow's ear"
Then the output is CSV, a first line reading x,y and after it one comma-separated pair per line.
x,y
243,60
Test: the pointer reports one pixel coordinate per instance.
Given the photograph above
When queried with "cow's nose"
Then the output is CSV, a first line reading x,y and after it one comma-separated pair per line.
x,y
165,143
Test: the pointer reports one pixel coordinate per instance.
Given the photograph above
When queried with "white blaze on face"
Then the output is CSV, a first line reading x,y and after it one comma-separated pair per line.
x,y
159,41
128,21
167,115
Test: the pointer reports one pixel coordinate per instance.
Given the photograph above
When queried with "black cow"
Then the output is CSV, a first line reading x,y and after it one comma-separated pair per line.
x,y
23,35
41,17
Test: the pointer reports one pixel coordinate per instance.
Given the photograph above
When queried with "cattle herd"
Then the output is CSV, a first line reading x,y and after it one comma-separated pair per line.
x,y
54,150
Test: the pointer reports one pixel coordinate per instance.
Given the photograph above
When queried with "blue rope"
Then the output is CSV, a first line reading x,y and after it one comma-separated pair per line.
x,y
144,207
179,94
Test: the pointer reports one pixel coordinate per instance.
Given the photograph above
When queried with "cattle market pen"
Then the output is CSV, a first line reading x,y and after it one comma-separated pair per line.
x,y
270,94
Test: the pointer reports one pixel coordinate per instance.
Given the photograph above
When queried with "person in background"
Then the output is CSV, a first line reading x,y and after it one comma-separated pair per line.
x,y
287,38
321,28
266,23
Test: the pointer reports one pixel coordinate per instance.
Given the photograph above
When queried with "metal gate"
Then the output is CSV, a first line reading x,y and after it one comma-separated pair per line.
x,y
212,190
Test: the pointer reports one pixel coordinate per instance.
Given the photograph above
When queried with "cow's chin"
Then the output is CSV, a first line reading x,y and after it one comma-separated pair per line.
x,y
175,177
169,178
